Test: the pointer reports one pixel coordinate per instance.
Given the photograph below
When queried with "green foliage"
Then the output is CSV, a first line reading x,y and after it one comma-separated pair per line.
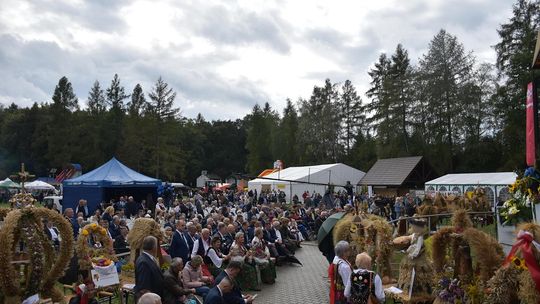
x,y
514,56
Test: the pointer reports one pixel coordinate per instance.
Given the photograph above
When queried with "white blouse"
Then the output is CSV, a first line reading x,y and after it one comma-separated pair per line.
x,y
216,260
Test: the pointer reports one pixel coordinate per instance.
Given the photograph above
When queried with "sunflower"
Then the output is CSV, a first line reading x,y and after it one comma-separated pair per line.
x,y
85,232
519,263
93,225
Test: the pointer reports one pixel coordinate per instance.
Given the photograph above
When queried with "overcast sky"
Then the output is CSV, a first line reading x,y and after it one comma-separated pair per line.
x,y
222,57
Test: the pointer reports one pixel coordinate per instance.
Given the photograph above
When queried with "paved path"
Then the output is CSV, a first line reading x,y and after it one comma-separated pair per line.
x,y
299,285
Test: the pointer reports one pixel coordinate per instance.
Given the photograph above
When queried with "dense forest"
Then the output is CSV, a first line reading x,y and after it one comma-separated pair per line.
x,y
463,115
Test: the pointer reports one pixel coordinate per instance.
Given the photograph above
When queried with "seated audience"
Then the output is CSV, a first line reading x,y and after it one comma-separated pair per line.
x,y
174,291
232,272
193,278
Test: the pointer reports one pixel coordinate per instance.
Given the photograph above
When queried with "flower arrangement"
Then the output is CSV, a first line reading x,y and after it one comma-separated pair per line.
x,y
102,247
101,261
21,200
524,193
449,291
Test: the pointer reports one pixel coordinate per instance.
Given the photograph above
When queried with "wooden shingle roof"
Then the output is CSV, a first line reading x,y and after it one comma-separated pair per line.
x,y
390,171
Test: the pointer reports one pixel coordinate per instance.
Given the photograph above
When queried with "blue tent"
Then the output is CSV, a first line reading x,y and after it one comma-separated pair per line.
x,y
110,180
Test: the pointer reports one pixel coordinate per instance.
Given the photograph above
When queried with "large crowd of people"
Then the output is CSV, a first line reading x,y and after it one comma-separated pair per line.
x,y
209,234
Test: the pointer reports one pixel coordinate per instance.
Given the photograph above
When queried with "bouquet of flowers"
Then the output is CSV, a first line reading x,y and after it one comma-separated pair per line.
x,y
103,265
517,209
449,291
101,261
524,193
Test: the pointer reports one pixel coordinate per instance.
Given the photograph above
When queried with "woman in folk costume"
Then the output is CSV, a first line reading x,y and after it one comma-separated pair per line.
x,y
339,273
214,259
416,260
250,277
262,258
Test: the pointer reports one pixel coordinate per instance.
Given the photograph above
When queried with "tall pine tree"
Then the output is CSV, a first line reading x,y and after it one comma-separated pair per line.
x,y
163,113
401,77
447,70
352,115
96,100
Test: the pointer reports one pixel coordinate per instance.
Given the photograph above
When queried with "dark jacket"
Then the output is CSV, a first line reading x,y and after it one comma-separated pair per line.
x,y
233,297
132,209
148,276
173,288
190,242
114,230
120,244
49,235
214,297
179,247
75,227
84,211
107,217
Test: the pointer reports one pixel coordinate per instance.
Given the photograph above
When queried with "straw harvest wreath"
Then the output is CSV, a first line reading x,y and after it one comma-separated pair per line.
x,y
142,227
369,233
93,234
518,279
25,225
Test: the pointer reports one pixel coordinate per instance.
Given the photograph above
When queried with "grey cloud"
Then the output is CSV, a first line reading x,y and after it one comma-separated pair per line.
x,y
31,69
198,84
352,59
232,25
99,15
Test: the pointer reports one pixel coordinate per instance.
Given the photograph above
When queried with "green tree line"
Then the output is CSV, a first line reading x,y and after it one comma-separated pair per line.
x,y
462,114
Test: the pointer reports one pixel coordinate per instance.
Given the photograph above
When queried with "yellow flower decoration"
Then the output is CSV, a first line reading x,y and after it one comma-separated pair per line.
x,y
85,232
519,263
353,228
103,231
93,225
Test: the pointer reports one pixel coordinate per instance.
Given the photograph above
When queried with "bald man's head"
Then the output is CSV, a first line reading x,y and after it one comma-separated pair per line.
x,y
150,298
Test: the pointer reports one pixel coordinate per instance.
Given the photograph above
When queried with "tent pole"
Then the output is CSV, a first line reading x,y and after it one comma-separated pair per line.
x,y
290,192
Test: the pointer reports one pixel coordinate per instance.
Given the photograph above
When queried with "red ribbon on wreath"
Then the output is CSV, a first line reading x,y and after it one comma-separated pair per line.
x,y
524,243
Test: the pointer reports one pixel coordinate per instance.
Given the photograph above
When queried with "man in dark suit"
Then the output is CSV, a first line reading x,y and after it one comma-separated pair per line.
x,y
230,273
120,243
191,235
82,207
179,243
114,227
217,294
132,207
52,233
69,215
175,291
148,275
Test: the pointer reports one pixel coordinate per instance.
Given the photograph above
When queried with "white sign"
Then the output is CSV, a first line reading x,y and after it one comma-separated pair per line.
x,y
105,278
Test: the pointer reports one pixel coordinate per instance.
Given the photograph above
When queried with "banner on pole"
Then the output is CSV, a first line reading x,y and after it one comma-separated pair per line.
x,y
530,131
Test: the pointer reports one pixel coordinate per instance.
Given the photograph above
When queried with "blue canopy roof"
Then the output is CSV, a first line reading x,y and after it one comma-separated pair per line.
x,y
112,174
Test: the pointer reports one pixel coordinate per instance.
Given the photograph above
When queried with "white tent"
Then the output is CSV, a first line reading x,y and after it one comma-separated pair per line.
x,y
38,185
296,180
495,184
